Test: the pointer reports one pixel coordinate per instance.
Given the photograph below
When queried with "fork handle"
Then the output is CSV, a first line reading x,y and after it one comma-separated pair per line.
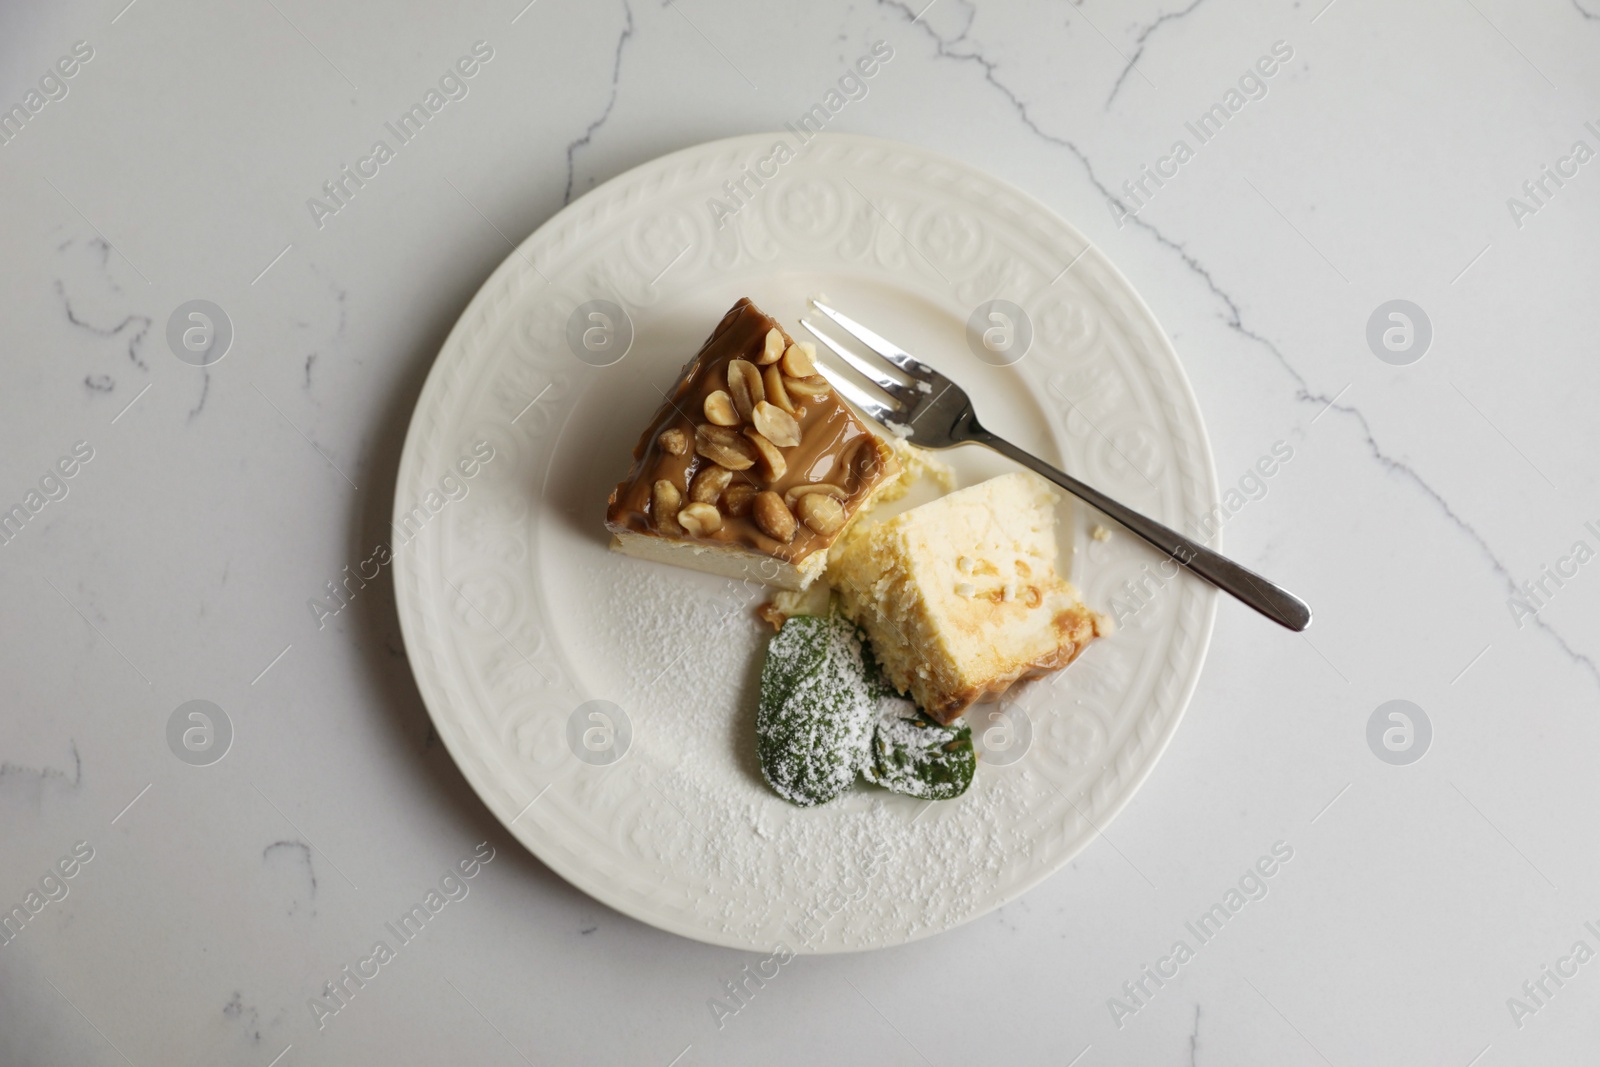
x,y
1279,605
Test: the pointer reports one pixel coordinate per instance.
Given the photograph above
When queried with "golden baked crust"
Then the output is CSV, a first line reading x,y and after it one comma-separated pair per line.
x,y
961,598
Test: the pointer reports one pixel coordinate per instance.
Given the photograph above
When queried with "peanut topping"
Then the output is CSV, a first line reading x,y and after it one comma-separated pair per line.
x,y
799,491
725,447
709,484
674,441
799,360
665,499
814,386
776,424
744,383
700,519
822,513
776,393
738,499
735,424
774,518
772,464
773,348
719,409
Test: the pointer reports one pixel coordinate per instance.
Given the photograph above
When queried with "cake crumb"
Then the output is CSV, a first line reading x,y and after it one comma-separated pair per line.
x,y
915,463
1100,533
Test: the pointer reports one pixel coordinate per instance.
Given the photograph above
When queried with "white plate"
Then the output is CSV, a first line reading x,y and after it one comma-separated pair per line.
x,y
517,618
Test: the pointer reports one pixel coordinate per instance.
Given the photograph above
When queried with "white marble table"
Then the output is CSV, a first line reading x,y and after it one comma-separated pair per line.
x,y
1378,161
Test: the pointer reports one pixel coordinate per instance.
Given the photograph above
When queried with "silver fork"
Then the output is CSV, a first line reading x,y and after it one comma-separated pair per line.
x,y
934,412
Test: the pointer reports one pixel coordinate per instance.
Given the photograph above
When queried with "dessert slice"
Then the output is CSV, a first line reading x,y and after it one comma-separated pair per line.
x,y
960,597
752,468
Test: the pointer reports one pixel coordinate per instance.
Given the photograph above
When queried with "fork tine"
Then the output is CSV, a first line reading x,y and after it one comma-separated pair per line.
x,y
879,344
859,396
905,395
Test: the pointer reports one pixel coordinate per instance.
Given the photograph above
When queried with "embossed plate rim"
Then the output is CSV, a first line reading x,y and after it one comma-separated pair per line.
x,y
495,299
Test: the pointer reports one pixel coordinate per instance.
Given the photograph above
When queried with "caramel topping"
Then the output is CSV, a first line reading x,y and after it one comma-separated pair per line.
x,y
834,448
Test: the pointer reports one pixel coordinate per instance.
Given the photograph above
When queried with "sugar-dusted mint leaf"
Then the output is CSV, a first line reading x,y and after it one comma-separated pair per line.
x,y
816,711
879,688
916,756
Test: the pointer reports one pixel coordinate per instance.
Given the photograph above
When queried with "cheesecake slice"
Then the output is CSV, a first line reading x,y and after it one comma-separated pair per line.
x,y
961,597
752,468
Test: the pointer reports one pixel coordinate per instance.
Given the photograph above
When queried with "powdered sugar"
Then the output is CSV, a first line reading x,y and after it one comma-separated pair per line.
x,y
760,868
915,756
815,710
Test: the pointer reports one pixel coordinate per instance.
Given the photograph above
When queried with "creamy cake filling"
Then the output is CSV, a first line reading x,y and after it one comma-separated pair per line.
x,y
960,596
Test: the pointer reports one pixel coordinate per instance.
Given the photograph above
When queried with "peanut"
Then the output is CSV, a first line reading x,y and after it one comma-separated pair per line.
x,y
799,360
776,392
698,519
821,513
772,464
776,424
775,519
812,387
719,409
665,499
673,440
725,447
798,491
772,349
744,384
738,499
709,484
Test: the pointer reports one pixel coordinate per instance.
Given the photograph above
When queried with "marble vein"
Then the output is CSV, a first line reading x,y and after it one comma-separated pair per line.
x,y
139,324
205,391
332,336
236,1010
1142,38
42,774
1234,320
611,102
300,851
39,775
